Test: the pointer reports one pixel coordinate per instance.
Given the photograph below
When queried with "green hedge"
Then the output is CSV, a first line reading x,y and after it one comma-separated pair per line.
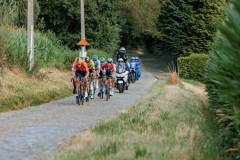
x,y
223,79
192,67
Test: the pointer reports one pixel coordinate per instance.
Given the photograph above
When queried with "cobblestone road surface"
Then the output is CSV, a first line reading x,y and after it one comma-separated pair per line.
x,y
36,132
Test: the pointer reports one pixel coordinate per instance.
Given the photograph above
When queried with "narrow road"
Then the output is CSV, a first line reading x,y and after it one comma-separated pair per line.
x,y
39,131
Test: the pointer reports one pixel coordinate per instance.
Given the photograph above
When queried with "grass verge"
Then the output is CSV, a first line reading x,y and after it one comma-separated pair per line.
x,y
19,89
170,123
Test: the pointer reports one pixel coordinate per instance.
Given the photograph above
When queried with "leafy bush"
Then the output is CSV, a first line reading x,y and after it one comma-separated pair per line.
x,y
223,79
48,50
192,67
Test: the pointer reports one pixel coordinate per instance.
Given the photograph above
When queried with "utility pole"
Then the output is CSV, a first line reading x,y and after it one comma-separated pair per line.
x,y
83,42
30,39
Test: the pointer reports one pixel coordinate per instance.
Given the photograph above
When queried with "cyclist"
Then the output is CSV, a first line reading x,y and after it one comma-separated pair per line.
x,y
102,61
91,67
97,65
101,73
80,71
110,73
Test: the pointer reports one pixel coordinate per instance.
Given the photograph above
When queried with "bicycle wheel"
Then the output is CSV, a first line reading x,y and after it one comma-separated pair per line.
x,y
77,100
81,95
94,88
107,94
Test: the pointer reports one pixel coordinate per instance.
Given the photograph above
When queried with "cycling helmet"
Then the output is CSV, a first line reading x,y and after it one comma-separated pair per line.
x,y
102,60
87,59
120,60
109,60
79,61
94,57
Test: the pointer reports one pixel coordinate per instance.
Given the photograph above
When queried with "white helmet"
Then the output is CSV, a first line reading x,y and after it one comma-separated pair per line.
x,y
122,49
120,60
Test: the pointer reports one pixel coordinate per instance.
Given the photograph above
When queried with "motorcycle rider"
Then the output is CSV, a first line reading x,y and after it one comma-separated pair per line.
x,y
122,69
110,73
127,65
133,65
125,59
121,53
138,68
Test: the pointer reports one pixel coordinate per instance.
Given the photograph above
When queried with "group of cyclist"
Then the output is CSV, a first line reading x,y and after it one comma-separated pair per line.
x,y
94,68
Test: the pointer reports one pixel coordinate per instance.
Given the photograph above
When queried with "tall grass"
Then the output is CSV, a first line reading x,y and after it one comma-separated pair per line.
x,y
170,123
2,48
48,49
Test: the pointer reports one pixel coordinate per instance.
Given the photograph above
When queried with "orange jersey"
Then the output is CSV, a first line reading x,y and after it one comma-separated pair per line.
x,y
80,67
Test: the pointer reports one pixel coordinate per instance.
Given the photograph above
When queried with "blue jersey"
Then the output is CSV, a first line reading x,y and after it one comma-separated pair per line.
x,y
97,64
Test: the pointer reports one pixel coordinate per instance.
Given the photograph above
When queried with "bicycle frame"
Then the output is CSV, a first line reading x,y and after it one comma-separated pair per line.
x,y
81,88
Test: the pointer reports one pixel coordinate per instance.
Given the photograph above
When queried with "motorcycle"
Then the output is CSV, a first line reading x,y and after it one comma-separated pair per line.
x,y
121,81
132,73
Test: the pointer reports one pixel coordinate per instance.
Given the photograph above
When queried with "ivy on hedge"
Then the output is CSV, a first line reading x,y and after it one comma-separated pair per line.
x,y
192,67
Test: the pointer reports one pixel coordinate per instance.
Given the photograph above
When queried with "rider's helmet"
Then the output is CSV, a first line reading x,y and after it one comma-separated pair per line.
x,y
122,49
109,60
137,59
120,60
76,60
94,57
132,59
87,59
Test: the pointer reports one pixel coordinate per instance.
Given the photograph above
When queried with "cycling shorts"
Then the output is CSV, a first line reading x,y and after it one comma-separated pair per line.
x,y
80,74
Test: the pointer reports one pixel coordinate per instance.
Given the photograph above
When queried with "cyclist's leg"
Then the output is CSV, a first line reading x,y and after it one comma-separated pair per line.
x,y
96,79
86,85
74,84
91,87
110,82
77,80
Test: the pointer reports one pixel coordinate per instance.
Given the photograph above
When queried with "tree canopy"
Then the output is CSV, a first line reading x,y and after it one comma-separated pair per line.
x,y
188,25
164,26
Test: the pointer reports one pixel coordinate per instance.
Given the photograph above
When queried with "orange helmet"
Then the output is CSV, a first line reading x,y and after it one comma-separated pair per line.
x,y
79,62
